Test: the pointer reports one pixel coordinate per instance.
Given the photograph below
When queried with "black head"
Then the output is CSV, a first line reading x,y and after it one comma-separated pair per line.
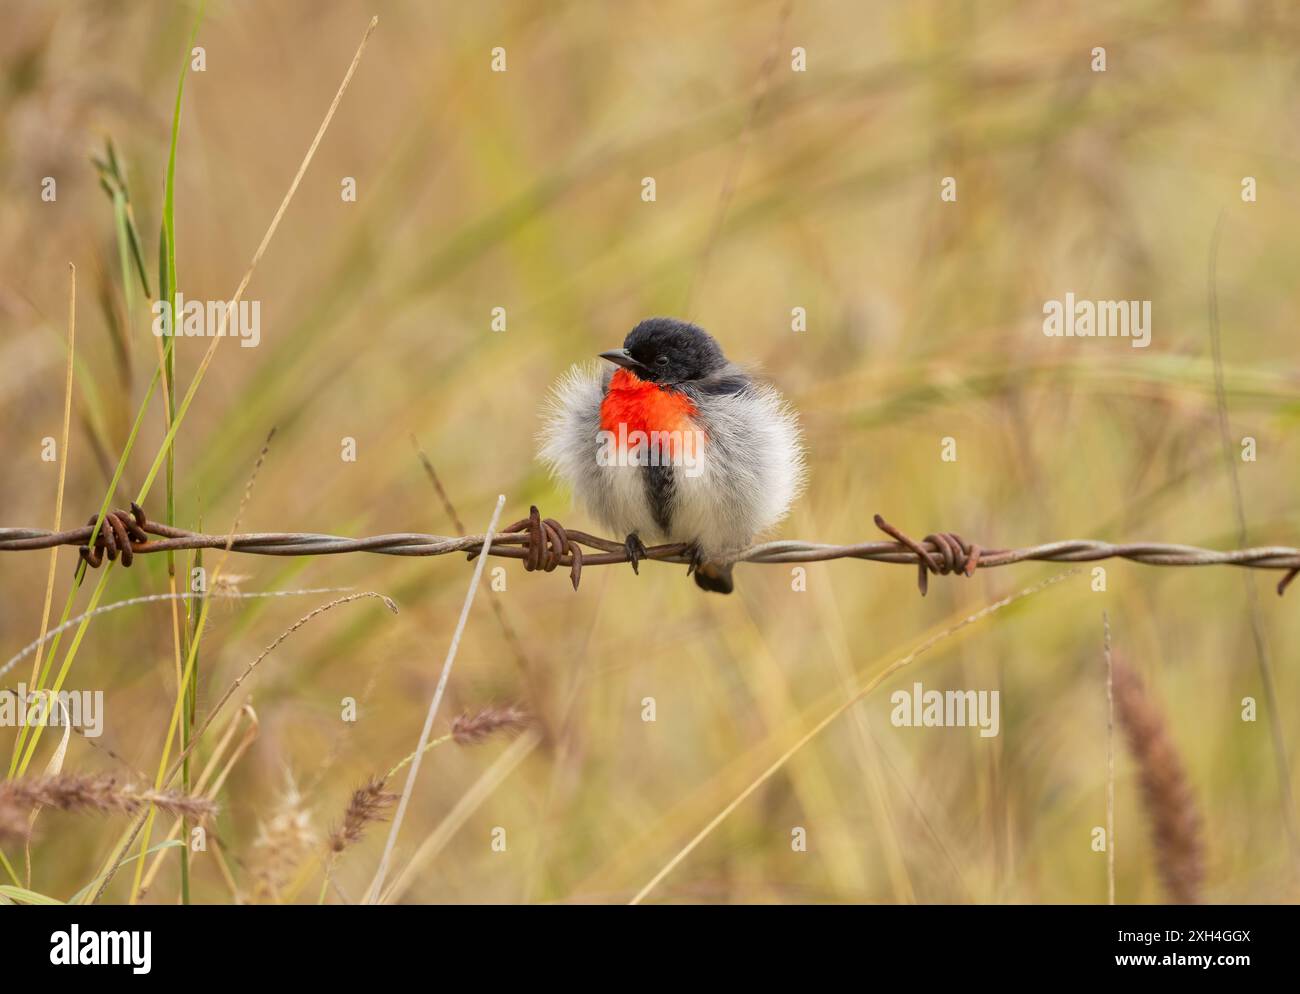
x,y
668,351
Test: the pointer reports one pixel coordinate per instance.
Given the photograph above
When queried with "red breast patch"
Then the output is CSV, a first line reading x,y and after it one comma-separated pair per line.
x,y
641,406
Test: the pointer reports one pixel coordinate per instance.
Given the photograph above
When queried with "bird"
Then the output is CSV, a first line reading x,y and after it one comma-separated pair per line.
x,y
671,442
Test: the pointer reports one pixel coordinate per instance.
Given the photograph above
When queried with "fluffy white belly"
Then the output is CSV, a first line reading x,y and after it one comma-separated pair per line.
x,y
627,507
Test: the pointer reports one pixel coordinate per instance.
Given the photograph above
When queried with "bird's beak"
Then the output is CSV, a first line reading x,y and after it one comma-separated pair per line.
x,y
620,357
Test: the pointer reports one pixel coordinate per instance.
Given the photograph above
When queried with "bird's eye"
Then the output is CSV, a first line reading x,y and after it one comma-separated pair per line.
x,y
661,360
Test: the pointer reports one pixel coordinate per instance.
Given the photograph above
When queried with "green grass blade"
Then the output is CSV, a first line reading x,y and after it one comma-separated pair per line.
x,y
24,896
78,897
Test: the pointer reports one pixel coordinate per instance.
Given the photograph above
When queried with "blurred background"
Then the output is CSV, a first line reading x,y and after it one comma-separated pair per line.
x,y
775,189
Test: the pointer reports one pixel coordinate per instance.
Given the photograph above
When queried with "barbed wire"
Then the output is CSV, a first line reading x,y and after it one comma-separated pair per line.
x,y
544,544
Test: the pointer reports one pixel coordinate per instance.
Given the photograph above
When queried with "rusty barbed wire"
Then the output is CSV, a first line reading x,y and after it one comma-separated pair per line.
x,y
544,544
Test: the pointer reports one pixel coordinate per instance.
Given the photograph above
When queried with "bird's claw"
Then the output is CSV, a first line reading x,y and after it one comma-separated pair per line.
x,y
636,551
696,558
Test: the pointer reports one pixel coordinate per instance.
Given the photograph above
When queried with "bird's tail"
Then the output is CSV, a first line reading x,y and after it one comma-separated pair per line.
x,y
711,576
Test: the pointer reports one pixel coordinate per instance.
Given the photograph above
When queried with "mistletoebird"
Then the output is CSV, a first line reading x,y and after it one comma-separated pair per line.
x,y
671,442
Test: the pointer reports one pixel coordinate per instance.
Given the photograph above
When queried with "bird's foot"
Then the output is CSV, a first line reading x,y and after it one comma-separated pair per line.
x,y
696,557
636,551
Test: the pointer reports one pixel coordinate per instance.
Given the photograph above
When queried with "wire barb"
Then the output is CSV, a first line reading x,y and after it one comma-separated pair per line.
x,y
1285,582
118,535
956,554
548,544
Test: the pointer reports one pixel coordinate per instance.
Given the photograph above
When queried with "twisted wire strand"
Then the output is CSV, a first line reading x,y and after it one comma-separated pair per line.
x,y
544,544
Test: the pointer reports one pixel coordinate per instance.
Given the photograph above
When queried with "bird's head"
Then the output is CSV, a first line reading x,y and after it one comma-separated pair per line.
x,y
668,352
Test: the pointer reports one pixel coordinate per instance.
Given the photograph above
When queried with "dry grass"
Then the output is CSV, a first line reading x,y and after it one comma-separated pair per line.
x,y
477,728
88,794
1177,831
370,803
284,841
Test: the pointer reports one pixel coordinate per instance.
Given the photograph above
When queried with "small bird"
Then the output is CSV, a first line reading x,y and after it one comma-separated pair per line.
x,y
673,443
